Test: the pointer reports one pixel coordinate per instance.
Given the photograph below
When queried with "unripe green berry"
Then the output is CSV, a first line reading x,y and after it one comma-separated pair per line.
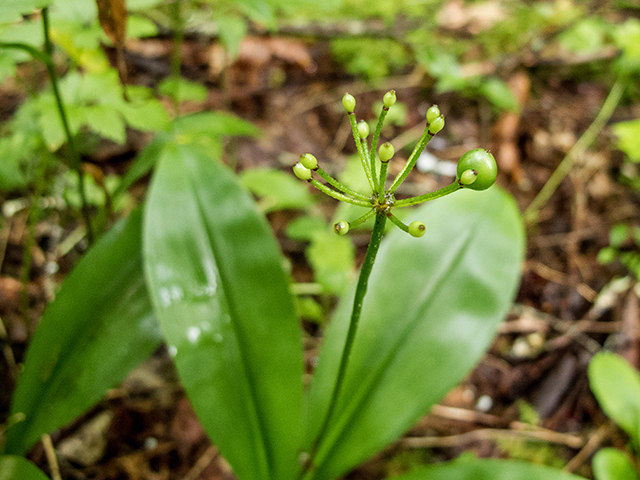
x,y
483,163
341,227
436,125
417,229
302,172
309,161
389,98
385,152
433,113
363,129
468,177
349,102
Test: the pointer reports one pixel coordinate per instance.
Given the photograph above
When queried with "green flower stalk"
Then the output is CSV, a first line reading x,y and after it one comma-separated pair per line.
x,y
476,170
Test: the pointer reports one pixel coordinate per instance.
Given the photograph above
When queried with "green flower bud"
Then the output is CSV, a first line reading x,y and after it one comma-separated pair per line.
x,y
468,177
433,113
385,152
341,227
436,125
349,102
363,129
482,162
302,172
309,161
389,98
417,229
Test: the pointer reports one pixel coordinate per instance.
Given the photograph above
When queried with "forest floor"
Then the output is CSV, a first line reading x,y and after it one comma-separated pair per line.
x,y
565,309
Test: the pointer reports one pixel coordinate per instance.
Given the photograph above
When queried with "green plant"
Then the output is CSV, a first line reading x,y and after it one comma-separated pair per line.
x,y
616,386
217,288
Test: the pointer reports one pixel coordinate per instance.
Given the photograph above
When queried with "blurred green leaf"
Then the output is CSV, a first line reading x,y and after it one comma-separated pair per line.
x,y
305,228
370,57
618,235
627,38
232,30
11,175
107,122
498,93
616,386
277,190
332,259
478,469
97,329
214,123
432,309
11,10
628,134
585,36
17,468
218,288
182,90
612,464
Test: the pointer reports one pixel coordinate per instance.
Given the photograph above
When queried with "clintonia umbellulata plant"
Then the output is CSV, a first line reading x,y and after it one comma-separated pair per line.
x,y
203,258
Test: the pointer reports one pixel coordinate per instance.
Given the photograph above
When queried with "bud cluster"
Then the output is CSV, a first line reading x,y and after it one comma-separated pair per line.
x,y
476,170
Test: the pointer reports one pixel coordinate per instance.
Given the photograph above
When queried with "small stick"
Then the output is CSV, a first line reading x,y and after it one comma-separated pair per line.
x,y
51,457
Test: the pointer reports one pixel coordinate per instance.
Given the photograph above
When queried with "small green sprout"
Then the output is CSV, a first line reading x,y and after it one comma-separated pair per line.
x,y
476,170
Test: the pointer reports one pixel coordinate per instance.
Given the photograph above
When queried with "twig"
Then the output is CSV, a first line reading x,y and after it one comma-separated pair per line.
x,y
203,462
8,353
531,213
533,435
51,457
594,441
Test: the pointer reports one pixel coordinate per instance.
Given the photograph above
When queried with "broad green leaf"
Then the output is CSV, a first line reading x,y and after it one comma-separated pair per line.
x,y
218,289
13,467
432,308
616,386
477,469
277,190
99,327
612,464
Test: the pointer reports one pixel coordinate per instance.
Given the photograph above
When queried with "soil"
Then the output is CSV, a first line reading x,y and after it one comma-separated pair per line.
x,y
291,88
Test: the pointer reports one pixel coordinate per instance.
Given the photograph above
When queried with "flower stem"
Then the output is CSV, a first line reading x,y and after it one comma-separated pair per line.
x,y
336,184
422,143
338,195
361,290
405,202
366,165
376,136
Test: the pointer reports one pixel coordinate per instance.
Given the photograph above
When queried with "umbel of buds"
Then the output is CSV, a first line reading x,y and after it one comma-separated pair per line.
x,y
476,170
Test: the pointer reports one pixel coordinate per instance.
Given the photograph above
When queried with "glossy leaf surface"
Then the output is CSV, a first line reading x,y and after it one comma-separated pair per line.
x,y
616,386
218,288
431,311
99,327
13,467
612,464
477,469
